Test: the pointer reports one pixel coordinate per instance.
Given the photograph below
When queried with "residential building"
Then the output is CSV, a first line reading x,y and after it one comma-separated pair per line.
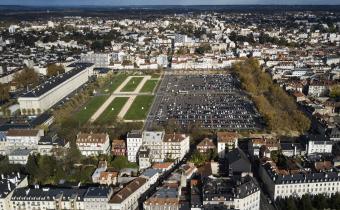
x,y
282,183
98,59
206,146
102,166
97,198
7,185
238,163
144,160
127,198
243,194
176,146
118,148
93,143
23,138
133,142
163,199
226,141
19,156
318,144
48,198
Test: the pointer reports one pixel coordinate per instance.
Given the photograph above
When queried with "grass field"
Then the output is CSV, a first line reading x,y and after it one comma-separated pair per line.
x,y
132,84
112,110
139,108
89,109
114,83
149,86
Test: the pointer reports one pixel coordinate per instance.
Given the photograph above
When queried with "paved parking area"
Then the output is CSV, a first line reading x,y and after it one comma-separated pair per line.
x,y
213,101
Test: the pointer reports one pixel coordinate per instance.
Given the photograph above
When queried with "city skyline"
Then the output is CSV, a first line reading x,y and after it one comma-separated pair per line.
x,y
164,2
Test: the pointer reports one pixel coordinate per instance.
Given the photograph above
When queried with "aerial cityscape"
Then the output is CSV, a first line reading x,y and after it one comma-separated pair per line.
x,y
169,105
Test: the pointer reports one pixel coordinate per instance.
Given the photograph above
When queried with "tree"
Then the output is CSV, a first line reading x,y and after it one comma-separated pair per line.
x,y
335,91
73,155
54,70
32,167
27,77
4,92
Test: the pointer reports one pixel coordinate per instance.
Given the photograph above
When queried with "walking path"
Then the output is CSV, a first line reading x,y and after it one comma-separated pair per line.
x,y
118,93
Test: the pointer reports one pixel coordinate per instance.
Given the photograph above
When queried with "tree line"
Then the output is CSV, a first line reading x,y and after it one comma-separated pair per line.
x,y
278,109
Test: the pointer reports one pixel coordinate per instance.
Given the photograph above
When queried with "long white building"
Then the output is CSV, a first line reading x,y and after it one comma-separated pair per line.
x,y
55,89
297,184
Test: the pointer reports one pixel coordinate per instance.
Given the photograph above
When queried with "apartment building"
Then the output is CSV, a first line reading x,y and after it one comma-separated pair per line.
x,y
134,141
7,185
93,143
285,183
243,194
226,141
127,198
23,138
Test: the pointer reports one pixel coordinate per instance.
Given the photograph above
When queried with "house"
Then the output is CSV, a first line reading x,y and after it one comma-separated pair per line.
x,y
206,146
91,144
52,145
163,166
102,166
118,148
226,141
19,156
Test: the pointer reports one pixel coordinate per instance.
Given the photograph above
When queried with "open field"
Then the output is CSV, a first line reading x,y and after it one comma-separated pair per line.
x,y
112,110
149,86
139,108
132,84
114,83
89,108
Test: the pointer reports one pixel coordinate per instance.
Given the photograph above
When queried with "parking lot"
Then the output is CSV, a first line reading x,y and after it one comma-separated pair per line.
x,y
213,101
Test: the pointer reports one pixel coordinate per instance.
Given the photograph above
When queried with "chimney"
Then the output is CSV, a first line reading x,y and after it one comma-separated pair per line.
x,y
2,176
18,175
9,186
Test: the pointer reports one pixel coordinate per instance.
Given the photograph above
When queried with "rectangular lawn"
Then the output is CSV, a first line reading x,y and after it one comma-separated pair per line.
x,y
114,83
149,86
89,109
132,84
112,110
139,108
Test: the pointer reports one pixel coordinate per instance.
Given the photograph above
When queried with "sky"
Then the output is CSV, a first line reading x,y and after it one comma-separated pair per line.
x,y
163,2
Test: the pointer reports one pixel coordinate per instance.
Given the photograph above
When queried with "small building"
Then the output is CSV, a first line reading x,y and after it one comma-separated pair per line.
x,y
19,156
23,138
118,147
91,144
205,146
238,163
144,159
226,141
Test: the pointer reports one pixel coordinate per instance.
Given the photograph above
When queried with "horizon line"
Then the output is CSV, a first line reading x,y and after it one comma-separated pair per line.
x,y
134,5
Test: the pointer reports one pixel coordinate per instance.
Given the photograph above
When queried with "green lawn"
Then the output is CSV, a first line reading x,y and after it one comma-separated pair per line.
x,y
139,108
114,83
132,84
112,110
89,109
149,86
